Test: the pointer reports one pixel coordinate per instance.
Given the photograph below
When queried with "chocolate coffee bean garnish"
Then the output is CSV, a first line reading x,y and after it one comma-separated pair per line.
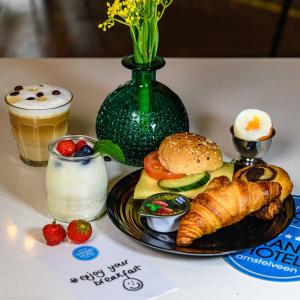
x,y
14,93
56,92
253,174
18,88
30,98
40,94
259,173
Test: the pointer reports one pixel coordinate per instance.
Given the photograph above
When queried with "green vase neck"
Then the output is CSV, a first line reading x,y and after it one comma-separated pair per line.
x,y
143,73
129,63
142,77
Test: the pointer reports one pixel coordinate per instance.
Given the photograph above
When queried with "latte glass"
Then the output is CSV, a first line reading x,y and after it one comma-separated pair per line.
x,y
38,114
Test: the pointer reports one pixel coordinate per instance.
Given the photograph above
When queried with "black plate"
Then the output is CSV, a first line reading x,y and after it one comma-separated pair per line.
x,y
249,233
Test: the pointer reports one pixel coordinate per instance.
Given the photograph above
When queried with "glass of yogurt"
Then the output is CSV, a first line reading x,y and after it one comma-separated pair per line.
x,y
76,185
38,114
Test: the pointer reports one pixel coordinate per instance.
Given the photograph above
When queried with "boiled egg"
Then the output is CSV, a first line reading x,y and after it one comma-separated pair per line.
x,y
252,125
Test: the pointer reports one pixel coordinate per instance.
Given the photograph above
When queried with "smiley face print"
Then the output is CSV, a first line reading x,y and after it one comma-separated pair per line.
x,y
132,284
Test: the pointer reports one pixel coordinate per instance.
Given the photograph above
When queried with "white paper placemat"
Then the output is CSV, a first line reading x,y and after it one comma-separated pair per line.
x,y
97,268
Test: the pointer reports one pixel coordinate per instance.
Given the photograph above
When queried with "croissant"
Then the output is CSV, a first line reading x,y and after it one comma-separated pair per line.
x,y
224,203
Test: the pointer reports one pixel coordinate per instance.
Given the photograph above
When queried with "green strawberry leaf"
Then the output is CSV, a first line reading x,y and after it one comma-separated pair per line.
x,y
107,147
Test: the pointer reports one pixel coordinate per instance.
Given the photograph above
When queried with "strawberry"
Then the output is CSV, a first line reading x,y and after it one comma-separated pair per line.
x,y
80,144
66,147
54,233
79,231
164,211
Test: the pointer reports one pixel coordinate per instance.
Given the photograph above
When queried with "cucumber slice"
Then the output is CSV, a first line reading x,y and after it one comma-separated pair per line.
x,y
186,183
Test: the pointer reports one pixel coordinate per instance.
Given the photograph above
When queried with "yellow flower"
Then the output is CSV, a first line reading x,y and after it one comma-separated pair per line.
x,y
131,12
142,17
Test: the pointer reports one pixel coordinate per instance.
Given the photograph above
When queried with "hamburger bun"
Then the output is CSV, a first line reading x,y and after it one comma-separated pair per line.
x,y
189,153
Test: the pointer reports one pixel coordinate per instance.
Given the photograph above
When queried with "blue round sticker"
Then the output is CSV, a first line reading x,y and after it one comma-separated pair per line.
x,y
276,260
85,253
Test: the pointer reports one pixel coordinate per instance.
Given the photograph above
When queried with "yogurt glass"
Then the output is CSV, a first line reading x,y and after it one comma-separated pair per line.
x,y
38,114
76,186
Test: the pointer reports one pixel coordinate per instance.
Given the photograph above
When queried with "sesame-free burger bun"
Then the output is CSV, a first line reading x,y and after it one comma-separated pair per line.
x,y
189,153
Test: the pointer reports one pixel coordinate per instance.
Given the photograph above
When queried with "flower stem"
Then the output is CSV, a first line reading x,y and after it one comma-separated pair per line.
x,y
145,93
145,44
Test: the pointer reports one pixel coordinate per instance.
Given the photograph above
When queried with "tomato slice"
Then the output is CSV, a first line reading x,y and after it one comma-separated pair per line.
x,y
155,170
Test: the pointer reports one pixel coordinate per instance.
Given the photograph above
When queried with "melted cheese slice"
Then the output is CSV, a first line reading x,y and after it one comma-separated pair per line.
x,y
148,186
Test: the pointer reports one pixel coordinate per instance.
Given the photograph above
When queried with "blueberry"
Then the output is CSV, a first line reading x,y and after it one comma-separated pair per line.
x,y
79,154
85,151
57,164
85,162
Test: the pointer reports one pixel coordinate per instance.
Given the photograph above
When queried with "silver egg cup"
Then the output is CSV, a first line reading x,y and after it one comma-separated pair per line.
x,y
250,152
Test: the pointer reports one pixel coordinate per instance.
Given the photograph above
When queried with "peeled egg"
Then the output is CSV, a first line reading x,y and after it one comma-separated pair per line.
x,y
252,125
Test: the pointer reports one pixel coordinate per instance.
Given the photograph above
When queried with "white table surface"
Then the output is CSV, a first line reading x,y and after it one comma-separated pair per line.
x,y
214,92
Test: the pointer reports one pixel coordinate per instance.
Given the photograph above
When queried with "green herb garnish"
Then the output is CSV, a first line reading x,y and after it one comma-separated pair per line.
x,y
153,207
107,147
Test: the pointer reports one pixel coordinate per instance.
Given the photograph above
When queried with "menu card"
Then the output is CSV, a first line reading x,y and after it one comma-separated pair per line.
x,y
100,268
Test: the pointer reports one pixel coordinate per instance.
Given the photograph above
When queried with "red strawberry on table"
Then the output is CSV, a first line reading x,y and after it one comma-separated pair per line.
x,y
79,231
80,144
66,147
54,233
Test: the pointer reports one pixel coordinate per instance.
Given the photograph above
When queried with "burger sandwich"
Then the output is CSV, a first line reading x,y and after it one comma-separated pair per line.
x,y
184,163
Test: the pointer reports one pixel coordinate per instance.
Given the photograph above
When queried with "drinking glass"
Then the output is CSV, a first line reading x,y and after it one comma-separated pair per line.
x,y
76,186
36,120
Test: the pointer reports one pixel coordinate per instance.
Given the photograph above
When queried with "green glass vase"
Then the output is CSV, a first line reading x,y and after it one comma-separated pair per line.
x,y
141,113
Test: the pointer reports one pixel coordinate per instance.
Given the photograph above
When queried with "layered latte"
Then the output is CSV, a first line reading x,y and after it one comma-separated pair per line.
x,y
38,114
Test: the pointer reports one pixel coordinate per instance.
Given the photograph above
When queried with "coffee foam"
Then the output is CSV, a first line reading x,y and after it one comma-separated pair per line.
x,y
46,105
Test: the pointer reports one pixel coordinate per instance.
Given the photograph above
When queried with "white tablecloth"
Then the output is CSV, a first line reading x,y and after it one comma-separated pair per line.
x,y
214,92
